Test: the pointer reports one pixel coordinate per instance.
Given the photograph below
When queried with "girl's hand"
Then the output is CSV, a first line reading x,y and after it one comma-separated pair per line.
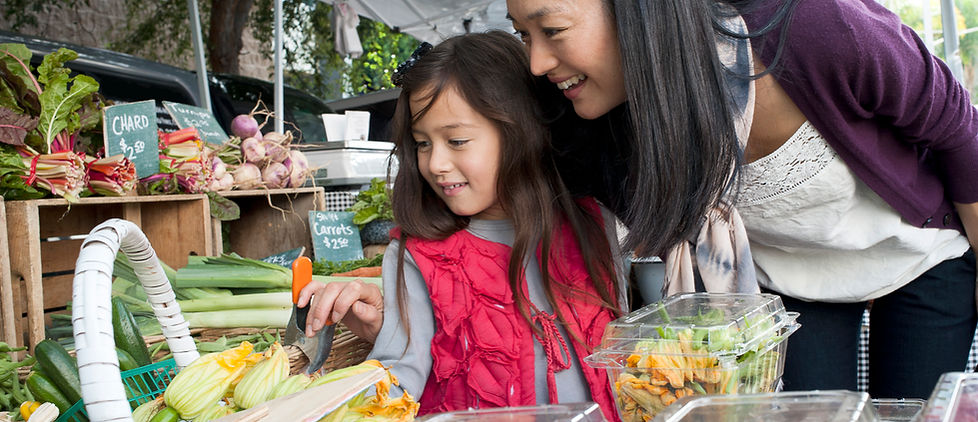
x,y
358,305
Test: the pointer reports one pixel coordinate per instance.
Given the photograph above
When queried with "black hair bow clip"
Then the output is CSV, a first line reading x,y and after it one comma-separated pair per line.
x,y
402,69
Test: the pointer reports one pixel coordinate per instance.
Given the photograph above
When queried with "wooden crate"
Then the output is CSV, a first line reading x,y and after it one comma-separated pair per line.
x,y
44,238
272,221
8,328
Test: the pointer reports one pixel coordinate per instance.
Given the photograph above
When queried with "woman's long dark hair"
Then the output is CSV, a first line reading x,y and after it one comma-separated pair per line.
x,y
681,138
491,72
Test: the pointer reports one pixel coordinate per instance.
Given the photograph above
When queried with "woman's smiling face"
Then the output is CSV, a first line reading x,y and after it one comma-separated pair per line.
x,y
574,43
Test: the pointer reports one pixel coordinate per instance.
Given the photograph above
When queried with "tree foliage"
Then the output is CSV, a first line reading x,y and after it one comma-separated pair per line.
x,y
310,60
160,31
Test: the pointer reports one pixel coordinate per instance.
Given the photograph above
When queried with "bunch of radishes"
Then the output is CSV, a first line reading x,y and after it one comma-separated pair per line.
x,y
267,159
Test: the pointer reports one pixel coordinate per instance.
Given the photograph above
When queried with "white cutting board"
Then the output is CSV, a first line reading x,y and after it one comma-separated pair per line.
x,y
311,404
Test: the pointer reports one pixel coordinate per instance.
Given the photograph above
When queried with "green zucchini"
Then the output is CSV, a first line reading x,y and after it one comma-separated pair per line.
x,y
126,362
127,335
166,414
45,391
59,367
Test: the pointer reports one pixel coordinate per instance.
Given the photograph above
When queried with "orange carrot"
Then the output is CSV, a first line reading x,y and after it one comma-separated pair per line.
x,y
360,272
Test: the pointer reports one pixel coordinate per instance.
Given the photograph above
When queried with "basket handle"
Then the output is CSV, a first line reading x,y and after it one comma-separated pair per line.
x,y
91,315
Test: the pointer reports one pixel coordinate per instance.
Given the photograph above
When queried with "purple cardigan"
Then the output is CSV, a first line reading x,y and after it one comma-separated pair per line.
x,y
891,110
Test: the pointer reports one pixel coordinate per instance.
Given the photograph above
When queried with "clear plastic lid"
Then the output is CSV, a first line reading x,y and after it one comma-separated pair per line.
x,y
713,324
954,399
802,406
573,412
898,410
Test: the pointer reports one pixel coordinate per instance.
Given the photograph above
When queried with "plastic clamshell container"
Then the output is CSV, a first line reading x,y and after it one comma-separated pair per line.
x,y
573,412
797,406
694,344
898,410
954,399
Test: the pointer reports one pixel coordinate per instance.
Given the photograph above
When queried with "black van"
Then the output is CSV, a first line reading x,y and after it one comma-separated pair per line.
x,y
127,78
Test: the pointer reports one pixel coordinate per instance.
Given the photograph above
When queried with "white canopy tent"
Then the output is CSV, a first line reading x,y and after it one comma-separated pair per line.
x,y
434,20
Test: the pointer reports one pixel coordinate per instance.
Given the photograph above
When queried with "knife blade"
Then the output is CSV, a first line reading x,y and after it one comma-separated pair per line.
x,y
317,347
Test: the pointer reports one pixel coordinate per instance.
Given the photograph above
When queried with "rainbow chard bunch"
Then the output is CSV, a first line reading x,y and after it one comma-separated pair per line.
x,y
183,166
26,176
61,173
45,123
111,176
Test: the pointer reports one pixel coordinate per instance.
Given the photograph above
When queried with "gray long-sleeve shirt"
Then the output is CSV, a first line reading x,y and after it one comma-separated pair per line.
x,y
411,363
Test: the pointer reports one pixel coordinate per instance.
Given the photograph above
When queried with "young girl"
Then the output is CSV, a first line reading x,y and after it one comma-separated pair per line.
x,y
476,185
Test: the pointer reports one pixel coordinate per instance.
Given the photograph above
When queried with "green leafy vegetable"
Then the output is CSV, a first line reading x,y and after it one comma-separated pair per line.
x,y
59,102
372,204
20,91
12,185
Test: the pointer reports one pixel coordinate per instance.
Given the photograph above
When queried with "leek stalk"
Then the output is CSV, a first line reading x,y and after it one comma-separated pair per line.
x,y
257,318
249,301
217,275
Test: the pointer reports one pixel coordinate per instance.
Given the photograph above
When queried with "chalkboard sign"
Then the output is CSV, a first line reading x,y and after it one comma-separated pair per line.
x,y
285,258
189,116
130,129
334,236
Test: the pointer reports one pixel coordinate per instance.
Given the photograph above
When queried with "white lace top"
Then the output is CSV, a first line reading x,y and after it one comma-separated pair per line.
x,y
819,233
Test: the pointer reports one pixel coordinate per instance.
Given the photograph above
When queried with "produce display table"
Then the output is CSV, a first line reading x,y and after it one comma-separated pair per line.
x,y
272,221
44,236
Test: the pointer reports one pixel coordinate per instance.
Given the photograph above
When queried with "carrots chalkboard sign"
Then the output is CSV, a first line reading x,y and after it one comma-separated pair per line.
x,y
334,236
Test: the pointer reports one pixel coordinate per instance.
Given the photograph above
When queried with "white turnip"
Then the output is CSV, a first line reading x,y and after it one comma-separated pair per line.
x,y
221,184
247,176
218,168
252,150
244,126
279,138
275,175
298,168
227,182
276,152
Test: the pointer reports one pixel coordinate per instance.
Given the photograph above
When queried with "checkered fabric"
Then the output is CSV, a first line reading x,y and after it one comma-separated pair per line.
x,y
862,368
340,200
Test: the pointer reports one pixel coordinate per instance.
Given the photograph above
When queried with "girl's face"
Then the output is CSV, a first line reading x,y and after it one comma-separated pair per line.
x,y
458,154
575,44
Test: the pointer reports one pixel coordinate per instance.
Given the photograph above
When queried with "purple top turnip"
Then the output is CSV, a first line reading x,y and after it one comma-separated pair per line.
x,y
298,168
275,176
252,150
244,126
247,176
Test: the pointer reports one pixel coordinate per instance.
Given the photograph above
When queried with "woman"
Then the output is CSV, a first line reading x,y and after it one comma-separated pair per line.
x,y
856,182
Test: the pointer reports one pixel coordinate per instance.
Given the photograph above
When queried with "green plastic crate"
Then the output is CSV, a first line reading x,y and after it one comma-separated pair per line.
x,y
142,385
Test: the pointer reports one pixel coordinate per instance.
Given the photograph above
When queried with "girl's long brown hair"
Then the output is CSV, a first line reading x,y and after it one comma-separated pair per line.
x,y
492,74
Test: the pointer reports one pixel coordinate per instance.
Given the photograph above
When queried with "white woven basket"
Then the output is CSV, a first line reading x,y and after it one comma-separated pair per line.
x,y
91,315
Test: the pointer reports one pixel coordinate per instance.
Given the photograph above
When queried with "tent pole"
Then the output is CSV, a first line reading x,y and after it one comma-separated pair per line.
x,y
197,38
952,54
279,96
